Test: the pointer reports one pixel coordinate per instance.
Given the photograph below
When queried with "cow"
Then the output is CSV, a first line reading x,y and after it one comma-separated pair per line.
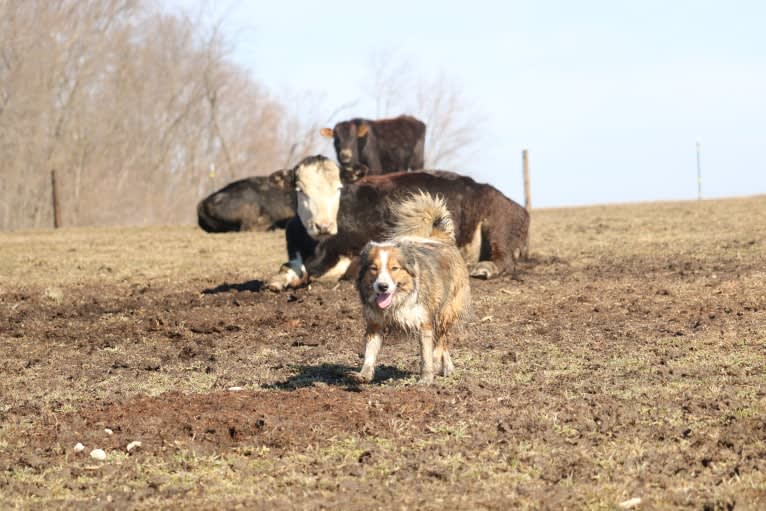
x,y
383,146
253,203
335,220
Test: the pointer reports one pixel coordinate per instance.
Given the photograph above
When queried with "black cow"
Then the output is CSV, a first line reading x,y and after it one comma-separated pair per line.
x,y
324,239
383,146
253,204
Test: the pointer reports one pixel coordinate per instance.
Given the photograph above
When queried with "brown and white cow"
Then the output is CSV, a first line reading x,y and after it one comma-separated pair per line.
x,y
383,146
253,203
335,220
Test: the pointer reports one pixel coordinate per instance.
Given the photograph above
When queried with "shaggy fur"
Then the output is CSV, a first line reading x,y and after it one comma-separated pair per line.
x,y
417,281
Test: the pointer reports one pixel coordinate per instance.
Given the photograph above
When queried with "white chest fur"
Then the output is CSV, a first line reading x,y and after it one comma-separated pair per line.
x,y
407,314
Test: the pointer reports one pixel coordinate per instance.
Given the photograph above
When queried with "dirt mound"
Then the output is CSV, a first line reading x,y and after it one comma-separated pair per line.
x,y
211,422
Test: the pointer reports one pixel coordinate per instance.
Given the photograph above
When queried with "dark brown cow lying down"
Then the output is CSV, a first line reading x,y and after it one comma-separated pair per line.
x,y
335,220
253,203
383,146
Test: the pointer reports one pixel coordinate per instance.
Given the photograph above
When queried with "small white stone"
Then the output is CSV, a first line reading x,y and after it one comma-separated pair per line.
x,y
54,293
98,454
630,503
79,447
135,444
108,431
235,389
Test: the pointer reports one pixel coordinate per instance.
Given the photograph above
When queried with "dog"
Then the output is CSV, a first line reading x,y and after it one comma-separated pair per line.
x,y
416,281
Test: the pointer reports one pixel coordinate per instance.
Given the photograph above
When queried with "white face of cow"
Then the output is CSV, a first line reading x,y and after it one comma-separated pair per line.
x,y
318,187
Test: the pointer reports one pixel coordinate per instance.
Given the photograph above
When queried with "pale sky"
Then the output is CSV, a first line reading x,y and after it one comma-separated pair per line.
x,y
609,97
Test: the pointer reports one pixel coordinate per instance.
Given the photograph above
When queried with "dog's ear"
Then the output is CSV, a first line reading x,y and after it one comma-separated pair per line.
x,y
408,261
283,179
364,263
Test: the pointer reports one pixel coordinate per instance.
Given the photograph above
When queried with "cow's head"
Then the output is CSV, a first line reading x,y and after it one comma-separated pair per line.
x,y
349,138
317,183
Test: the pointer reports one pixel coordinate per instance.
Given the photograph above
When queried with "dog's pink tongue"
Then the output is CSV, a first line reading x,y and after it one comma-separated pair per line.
x,y
384,300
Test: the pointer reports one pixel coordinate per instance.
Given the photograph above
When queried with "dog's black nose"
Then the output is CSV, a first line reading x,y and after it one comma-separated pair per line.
x,y
382,287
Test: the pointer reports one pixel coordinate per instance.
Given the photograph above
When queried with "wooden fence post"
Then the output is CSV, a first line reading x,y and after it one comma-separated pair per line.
x,y
211,177
527,191
699,170
55,198
527,197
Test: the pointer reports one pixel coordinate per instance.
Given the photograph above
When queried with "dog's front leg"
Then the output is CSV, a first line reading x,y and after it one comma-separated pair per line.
x,y
442,362
426,355
373,342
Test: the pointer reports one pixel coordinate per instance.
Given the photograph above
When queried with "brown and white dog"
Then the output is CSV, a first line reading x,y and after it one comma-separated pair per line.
x,y
417,281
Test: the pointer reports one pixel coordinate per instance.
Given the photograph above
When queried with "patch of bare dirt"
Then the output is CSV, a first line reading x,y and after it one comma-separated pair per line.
x,y
589,378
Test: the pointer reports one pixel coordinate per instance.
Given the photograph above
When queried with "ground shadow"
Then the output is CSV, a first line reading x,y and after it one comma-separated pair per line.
x,y
534,260
254,286
334,374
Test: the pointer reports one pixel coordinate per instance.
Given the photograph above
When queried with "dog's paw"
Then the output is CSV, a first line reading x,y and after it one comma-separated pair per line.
x,y
484,270
359,377
446,367
426,379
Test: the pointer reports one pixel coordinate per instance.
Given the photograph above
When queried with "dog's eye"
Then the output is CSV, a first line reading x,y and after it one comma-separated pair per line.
x,y
395,268
373,268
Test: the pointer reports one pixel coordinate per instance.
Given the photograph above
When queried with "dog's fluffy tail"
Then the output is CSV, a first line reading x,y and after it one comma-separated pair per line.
x,y
423,215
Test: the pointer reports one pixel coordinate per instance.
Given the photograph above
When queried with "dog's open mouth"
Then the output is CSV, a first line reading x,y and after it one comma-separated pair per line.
x,y
384,300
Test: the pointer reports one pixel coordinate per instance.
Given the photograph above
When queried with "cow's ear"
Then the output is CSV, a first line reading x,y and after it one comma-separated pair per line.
x,y
326,132
355,173
282,179
362,130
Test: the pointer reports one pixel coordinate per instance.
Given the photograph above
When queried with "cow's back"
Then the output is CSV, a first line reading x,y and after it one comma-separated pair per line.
x,y
366,202
400,143
246,203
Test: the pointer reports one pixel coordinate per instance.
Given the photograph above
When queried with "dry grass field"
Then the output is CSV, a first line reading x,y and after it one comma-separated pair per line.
x,y
626,360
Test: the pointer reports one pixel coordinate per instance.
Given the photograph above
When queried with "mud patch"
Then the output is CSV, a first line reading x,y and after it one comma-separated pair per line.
x,y
624,360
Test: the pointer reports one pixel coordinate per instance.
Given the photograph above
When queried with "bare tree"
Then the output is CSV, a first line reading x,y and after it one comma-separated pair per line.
x,y
304,122
454,123
50,60
389,82
131,105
